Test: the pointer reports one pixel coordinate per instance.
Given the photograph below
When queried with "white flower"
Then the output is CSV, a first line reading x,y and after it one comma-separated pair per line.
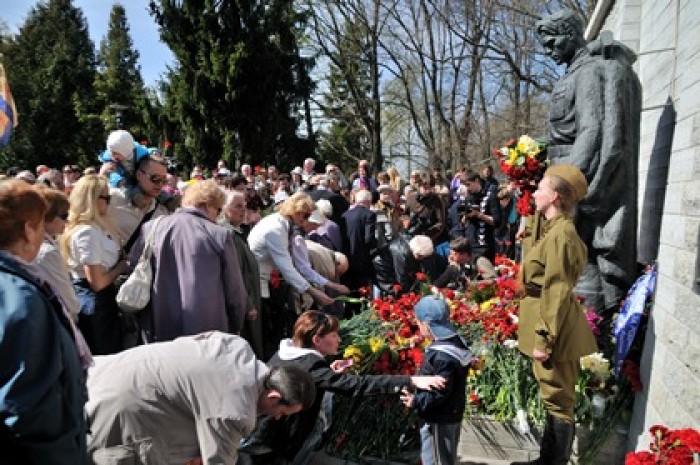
x,y
596,364
523,425
510,343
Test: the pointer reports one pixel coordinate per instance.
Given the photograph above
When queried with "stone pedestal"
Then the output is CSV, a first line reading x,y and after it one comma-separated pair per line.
x,y
484,440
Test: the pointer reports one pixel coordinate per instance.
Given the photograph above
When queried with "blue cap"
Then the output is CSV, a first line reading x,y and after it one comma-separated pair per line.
x,y
115,178
139,152
435,312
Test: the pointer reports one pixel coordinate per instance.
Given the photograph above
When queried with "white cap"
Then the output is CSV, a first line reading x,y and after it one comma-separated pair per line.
x,y
280,196
121,142
298,170
317,217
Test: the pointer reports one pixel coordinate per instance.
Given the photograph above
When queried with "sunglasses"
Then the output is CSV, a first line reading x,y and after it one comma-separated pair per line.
x,y
154,178
107,198
63,216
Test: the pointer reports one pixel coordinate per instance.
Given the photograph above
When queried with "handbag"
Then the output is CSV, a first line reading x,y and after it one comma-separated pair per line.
x,y
135,293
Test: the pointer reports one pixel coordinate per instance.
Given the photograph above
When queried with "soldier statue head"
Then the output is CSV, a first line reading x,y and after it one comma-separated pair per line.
x,y
561,35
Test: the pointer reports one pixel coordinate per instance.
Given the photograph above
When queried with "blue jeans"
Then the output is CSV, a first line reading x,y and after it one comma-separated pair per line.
x,y
439,443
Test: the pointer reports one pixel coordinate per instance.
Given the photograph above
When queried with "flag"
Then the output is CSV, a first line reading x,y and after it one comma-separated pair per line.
x,y
8,112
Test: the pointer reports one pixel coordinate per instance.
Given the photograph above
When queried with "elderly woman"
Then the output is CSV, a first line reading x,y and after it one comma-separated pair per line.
x,y
50,266
42,391
233,218
197,283
91,245
271,242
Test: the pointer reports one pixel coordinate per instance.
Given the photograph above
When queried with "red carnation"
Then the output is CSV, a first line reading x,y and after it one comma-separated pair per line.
x,y
421,277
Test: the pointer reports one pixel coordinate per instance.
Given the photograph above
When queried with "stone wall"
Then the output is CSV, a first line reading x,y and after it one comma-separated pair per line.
x,y
666,35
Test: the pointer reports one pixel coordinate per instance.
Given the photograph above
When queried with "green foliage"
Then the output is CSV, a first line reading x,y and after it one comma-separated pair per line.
x,y
240,82
51,68
119,83
347,104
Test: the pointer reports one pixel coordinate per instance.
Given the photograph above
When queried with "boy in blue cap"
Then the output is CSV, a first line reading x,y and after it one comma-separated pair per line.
x,y
440,411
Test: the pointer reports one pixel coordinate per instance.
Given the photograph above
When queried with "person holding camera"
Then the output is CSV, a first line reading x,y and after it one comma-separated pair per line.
x,y
476,215
427,212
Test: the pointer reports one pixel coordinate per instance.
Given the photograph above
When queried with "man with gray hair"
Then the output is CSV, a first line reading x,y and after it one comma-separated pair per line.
x,y
358,228
187,399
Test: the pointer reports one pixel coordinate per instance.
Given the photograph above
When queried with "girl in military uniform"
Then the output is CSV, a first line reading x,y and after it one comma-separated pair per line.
x,y
552,327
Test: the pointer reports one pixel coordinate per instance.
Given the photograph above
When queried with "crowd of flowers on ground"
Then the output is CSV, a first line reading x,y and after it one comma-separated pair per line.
x,y
670,447
384,339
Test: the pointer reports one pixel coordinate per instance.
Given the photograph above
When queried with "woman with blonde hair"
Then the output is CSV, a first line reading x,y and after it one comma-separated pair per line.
x,y
91,247
270,241
395,180
552,329
197,283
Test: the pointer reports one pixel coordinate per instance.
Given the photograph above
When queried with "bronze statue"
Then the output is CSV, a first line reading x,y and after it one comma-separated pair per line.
x,y
594,124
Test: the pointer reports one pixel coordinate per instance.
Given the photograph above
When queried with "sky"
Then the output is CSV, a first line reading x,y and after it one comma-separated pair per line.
x,y
154,56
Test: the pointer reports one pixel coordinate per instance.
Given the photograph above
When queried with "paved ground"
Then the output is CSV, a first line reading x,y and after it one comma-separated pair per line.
x,y
320,458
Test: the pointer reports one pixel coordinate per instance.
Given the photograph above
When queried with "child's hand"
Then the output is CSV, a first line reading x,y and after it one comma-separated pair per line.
x,y
341,366
406,397
427,383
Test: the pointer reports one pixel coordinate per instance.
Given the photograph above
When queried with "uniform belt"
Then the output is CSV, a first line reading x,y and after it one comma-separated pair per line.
x,y
533,291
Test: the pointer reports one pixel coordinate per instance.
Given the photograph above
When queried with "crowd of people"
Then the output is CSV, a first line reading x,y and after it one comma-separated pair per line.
x,y
256,253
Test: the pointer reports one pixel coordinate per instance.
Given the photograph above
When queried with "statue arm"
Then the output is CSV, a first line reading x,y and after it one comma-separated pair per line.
x,y
590,120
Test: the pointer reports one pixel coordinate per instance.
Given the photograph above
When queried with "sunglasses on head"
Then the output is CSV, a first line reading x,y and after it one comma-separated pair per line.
x,y
154,178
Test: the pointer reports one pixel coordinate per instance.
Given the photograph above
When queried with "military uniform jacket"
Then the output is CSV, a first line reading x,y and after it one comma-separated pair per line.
x,y
554,322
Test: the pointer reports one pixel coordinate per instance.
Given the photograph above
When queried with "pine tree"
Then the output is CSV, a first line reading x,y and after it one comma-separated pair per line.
x,y
119,85
347,104
240,83
51,63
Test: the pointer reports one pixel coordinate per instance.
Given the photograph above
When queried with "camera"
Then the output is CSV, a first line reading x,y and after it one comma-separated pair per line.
x,y
464,207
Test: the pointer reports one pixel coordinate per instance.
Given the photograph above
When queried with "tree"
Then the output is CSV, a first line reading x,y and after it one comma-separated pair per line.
x,y
51,64
347,104
240,83
347,33
118,84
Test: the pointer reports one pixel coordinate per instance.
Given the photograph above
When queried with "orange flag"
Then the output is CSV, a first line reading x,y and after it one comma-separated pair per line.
x,y
8,112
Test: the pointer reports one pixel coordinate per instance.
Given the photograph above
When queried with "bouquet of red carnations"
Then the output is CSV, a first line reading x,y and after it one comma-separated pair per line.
x,y
670,447
523,161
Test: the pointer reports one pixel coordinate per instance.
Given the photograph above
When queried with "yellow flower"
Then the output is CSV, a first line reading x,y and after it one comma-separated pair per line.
x,y
354,352
527,145
485,306
376,343
513,157
403,341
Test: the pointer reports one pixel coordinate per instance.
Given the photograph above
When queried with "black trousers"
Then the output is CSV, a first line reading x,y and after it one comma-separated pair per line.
x,y
102,329
278,317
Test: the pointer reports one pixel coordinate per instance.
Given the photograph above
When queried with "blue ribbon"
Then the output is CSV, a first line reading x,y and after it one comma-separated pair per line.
x,y
631,313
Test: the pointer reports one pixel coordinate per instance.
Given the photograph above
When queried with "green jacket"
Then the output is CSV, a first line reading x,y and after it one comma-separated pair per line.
x,y
554,322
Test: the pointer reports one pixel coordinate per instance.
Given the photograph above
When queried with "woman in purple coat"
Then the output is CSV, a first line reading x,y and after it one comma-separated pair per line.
x,y
197,284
